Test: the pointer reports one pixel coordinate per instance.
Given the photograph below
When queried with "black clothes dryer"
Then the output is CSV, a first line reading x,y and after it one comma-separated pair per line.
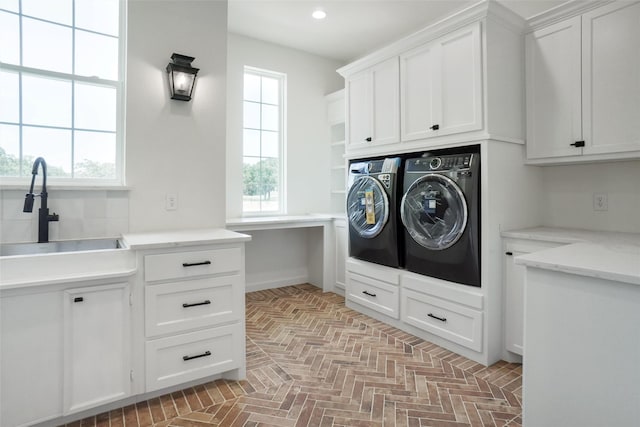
x,y
372,211
440,211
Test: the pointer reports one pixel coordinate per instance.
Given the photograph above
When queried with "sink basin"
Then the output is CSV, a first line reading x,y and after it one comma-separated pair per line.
x,y
12,249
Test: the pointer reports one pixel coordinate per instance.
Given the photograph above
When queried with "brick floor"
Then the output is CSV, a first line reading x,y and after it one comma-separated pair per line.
x,y
311,361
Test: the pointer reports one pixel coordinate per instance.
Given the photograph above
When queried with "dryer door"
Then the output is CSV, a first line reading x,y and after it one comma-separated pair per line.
x,y
367,207
434,211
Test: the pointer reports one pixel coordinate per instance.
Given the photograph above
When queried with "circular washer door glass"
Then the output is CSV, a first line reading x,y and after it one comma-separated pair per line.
x,y
434,212
367,206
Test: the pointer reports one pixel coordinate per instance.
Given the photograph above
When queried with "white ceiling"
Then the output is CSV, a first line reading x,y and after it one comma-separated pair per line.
x,y
352,28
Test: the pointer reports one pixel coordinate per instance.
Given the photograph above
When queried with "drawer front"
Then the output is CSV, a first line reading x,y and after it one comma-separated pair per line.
x,y
179,265
187,357
448,320
374,294
181,306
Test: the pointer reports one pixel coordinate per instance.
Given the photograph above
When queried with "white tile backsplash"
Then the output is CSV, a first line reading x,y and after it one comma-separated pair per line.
x,y
83,214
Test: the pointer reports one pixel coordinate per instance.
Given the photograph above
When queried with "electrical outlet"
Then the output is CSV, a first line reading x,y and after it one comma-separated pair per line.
x,y
171,202
600,202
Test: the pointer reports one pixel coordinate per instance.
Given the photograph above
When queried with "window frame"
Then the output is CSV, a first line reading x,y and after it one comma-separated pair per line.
x,y
119,85
282,143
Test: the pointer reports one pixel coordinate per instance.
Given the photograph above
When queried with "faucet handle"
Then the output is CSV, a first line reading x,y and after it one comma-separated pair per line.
x,y
53,217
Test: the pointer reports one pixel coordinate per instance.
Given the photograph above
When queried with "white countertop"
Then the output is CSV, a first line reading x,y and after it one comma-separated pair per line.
x,y
607,255
166,239
280,221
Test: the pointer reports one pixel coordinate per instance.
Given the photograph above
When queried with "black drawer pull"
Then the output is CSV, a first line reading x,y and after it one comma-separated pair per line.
x,y
78,299
370,294
205,354
508,253
193,264
205,302
442,319
578,144
435,127
368,139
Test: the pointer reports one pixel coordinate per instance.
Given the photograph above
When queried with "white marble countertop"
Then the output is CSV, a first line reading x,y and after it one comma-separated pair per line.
x,y
608,255
167,239
279,221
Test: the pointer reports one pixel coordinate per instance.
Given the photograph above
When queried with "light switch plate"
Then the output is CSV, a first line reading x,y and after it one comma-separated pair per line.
x,y
600,202
171,202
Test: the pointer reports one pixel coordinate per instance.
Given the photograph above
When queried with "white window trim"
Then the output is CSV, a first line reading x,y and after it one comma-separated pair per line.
x,y
283,143
8,182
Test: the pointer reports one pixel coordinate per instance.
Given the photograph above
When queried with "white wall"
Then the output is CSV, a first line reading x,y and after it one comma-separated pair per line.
x,y
174,146
567,197
309,78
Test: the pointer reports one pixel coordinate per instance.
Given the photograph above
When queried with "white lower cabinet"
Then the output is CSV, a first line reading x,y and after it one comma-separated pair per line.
x,y
186,357
63,349
31,346
96,346
443,309
194,314
341,252
373,286
514,290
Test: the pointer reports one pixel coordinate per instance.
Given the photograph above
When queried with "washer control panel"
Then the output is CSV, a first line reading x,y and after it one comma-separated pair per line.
x,y
441,163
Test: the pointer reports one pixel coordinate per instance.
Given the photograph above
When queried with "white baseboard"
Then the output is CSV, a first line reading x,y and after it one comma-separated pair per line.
x,y
277,283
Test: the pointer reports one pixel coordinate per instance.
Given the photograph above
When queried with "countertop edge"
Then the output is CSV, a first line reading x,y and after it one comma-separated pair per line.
x,y
5,286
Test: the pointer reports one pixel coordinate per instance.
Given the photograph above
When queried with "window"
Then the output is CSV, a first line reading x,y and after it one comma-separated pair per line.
x,y
61,74
263,142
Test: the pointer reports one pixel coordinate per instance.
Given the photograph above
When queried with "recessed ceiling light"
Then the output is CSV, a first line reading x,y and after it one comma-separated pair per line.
x,y
319,14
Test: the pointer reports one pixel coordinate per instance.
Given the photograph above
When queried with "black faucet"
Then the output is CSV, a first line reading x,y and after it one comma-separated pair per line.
x,y
43,213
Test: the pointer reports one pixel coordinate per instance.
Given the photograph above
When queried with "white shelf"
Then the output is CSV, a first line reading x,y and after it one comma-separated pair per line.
x,y
338,167
337,143
338,192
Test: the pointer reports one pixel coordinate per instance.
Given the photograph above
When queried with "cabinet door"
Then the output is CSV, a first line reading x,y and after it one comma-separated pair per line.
x,y
514,302
359,109
96,346
417,80
460,84
611,78
553,90
30,358
385,80
341,253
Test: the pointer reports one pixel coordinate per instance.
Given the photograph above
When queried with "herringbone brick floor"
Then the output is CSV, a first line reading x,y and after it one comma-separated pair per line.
x,y
311,361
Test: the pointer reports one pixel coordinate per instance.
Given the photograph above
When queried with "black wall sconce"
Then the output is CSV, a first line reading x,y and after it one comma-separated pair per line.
x,y
182,77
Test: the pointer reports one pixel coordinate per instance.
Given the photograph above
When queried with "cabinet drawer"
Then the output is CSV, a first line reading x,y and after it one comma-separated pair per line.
x,y
374,294
187,357
448,320
180,306
178,265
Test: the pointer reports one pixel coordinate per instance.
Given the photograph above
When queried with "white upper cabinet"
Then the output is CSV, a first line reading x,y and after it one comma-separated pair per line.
x,y
583,87
373,104
441,86
553,90
457,81
611,78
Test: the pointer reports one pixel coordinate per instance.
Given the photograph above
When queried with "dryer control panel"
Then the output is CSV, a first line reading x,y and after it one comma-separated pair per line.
x,y
441,163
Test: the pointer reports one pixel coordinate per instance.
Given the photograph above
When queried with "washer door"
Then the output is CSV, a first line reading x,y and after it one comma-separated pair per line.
x,y
367,207
434,212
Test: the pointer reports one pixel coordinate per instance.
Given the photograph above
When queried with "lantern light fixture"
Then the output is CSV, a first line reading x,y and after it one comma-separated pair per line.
x,y
182,77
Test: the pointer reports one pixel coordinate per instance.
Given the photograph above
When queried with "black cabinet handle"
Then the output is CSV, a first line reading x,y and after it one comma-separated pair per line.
x,y
508,253
205,302
442,319
368,139
435,127
370,294
193,264
197,356
578,144
78,299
